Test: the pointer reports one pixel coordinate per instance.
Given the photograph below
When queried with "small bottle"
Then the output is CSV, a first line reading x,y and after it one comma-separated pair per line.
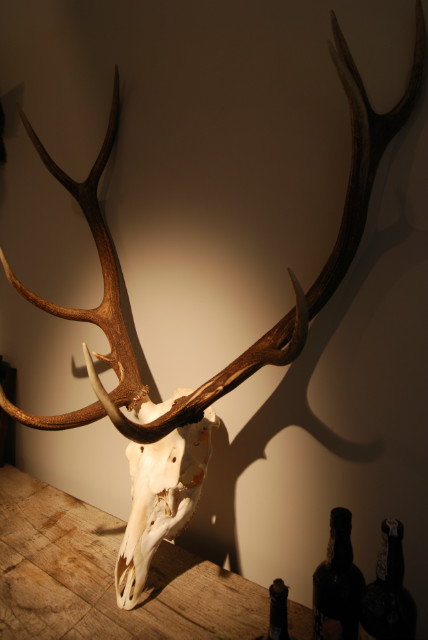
x,y
278,619
337,584
388,611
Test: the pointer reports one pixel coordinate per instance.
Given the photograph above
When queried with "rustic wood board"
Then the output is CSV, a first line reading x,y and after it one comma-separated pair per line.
x,y
57,557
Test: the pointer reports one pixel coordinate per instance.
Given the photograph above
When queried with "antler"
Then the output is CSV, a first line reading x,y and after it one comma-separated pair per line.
x,y
371,133
108,315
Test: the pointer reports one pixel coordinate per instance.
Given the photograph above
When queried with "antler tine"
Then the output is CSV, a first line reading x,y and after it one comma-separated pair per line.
x,y
371,133
404,107
107,146
100,163
108,315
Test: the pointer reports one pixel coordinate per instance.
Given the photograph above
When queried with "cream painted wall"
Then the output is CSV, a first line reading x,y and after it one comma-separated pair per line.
x,y
230,165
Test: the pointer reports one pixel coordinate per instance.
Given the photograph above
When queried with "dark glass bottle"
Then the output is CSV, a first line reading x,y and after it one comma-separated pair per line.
x,y
337,584
278,619
388,611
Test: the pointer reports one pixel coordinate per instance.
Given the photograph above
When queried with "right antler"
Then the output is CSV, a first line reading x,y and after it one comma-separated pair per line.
x,y
371,133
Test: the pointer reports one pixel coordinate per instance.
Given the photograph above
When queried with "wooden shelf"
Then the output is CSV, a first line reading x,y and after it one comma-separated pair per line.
x,y
57,557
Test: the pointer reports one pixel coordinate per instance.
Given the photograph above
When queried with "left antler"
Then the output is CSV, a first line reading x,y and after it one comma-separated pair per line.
x,y
130,392
371,133
108,315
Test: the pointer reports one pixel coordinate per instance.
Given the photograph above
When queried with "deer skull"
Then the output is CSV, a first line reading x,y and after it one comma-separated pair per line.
x,y
167,478
171,445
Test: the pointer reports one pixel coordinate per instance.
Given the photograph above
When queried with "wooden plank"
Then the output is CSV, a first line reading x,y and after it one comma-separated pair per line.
x,y
34,605
190,598
57,557
16,484
74,568
8,558
95,626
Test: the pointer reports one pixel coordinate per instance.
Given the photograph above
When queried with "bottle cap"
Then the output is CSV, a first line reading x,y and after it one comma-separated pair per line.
x,y
393,528
278,590
340,519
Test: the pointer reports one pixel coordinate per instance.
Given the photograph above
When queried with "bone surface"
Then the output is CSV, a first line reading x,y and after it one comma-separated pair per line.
x,y
167,478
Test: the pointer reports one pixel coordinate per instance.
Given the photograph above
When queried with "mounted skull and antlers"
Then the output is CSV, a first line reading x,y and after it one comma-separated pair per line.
x,y
171,442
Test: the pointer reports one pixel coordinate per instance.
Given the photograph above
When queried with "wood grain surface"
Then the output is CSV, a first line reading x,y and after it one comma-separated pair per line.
x,y
57,557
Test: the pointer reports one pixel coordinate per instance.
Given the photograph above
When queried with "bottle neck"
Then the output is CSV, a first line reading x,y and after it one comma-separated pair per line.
x,y
390,564
340,554
278,622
